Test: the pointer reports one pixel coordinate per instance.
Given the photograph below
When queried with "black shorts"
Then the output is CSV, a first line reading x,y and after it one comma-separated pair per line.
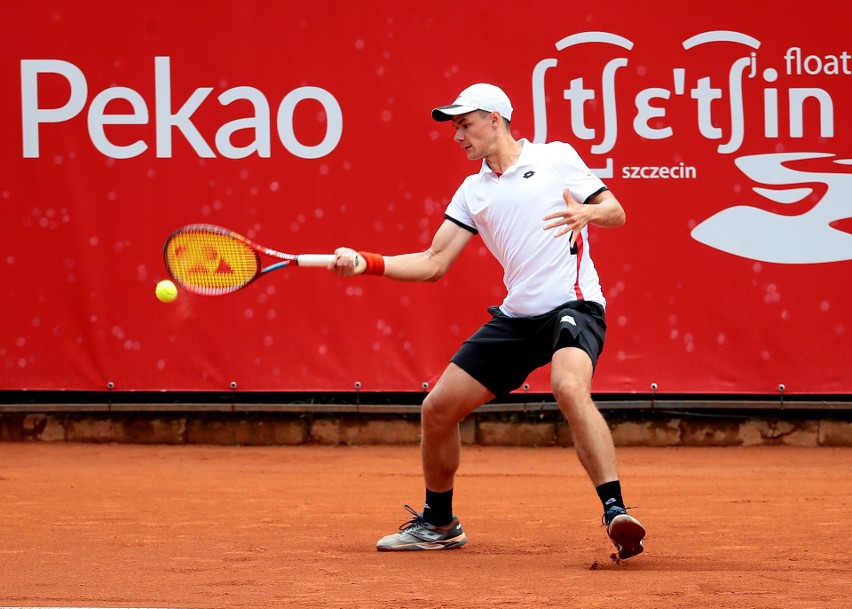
x,y
503,352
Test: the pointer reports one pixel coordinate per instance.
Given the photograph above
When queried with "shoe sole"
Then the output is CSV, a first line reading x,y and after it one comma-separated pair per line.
x,y
627,534
446,544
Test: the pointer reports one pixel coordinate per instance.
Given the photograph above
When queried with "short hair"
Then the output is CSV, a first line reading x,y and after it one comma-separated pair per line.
x,y
485,113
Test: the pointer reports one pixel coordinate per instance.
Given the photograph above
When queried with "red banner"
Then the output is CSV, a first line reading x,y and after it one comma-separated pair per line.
x,y
307,127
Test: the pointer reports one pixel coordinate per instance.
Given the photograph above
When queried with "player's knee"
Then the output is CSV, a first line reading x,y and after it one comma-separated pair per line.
x,y
569,389
573,396
436,416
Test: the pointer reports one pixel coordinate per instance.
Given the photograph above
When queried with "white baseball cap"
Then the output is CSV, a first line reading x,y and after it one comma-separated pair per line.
x,y
480,96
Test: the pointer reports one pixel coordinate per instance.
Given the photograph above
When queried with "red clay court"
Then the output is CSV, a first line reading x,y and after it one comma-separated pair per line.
x,y
209,526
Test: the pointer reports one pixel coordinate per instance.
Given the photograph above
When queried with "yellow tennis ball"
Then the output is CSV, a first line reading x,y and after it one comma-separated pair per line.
x,y
166,291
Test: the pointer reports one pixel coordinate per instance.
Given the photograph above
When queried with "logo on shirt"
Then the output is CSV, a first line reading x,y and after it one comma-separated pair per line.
x,y
569,319
528,175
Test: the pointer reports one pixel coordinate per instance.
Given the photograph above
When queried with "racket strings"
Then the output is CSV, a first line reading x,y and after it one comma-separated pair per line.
x,y
211,263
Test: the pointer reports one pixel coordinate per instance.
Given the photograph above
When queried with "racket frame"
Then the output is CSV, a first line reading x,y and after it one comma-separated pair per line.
x,y
305,260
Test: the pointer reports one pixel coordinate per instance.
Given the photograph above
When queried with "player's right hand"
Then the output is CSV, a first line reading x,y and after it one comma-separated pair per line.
x,y
347,262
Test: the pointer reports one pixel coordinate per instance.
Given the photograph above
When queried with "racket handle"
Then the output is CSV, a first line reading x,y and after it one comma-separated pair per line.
x,y
322,260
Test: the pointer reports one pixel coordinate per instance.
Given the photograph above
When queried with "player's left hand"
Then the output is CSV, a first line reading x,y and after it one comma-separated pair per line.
x,y
572,219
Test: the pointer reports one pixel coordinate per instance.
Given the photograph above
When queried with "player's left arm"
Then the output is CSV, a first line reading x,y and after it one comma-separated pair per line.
x,y
603,209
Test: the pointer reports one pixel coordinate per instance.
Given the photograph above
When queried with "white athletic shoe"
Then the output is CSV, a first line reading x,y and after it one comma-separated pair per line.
x,y
625,532
417,534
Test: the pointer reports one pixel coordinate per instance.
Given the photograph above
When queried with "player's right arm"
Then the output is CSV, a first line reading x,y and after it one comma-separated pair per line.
x,y
428,265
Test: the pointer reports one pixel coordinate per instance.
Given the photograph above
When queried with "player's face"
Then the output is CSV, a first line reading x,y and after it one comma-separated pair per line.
x,y
475,133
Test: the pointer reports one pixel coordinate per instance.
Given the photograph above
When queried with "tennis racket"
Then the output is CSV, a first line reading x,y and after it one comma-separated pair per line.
x,y
211,260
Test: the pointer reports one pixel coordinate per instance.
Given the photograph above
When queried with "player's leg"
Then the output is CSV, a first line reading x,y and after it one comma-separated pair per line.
x,y
571,380
571,377
456,395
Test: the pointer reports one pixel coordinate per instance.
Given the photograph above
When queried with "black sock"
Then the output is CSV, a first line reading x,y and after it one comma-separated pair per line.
x,y
439,507
610,494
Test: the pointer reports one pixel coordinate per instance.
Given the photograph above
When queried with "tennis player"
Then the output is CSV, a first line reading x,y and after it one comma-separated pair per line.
x,y
531,204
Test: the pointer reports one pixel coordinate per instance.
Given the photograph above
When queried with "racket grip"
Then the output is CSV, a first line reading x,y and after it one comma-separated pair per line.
x,y
322,260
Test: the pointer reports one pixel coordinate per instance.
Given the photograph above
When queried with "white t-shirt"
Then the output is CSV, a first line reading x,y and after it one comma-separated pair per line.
x,y
540,272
